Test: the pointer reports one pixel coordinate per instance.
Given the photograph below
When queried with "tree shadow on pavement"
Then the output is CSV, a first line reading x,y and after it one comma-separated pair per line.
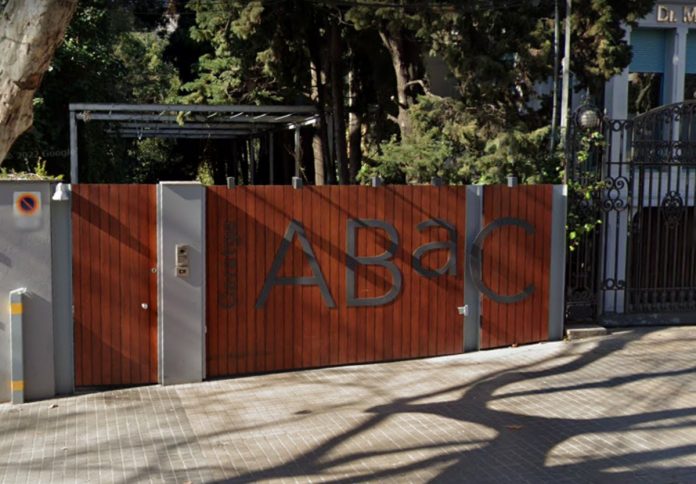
x,y
523,442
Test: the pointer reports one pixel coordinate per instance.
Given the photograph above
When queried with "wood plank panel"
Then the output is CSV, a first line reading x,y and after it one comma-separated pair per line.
x,y
115,303
129,291
340,261
412,240
512,260
274,316
331,199
298,321
408,322
215,294
297,330
114,236
372,273
322,336
425,306
152,246
245,274
401,261
385,316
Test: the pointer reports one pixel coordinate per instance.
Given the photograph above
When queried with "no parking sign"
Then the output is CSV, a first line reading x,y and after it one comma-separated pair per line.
x,y
27,209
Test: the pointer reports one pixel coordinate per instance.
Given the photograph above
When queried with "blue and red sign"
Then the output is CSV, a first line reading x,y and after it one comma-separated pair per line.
x,y
27,209
28,204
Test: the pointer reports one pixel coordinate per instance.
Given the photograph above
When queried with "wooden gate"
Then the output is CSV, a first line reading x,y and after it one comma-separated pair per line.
x,y
515,257
292,275
114,284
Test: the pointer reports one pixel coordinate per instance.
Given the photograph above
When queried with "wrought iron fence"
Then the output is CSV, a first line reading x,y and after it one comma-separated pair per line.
x,y
634,183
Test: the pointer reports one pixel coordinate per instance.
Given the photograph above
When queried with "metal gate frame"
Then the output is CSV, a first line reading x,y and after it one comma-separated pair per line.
x,y
638,266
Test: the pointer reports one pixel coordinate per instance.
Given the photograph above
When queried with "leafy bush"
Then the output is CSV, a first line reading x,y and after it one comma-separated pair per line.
x,y
39,173
462,146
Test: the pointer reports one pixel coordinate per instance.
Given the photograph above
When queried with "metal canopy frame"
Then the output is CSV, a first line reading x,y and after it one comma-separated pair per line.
x,y
191,121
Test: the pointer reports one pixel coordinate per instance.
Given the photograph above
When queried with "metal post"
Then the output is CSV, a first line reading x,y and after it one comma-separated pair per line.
x,y
472,298
556,42
16,347
270,158
73,148
559,209
297,151
252,161
565,95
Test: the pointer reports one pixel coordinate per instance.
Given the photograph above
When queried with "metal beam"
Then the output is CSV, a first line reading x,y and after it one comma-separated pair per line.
x,y
151,132
187,126
168,118
297,151
183,136
252,161
73,149
199,108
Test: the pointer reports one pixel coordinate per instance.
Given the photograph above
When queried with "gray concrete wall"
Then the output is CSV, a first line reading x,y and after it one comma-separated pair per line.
x,y
559,217
61,248
181,312
25,261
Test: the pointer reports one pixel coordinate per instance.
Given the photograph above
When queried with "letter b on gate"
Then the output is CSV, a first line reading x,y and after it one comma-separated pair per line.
x,y
382,260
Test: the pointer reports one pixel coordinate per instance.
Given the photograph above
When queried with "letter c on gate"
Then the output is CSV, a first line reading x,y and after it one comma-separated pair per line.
x,y
475,261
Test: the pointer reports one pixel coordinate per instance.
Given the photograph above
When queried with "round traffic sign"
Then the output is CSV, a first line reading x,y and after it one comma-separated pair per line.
x,y
27,204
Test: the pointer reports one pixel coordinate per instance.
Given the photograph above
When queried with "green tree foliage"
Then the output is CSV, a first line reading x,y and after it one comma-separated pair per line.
x,y
110,54
599,51
498,53
458,145
362,65
258,53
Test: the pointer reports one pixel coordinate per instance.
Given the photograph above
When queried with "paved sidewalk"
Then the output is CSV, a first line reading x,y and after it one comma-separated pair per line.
x,y
620,408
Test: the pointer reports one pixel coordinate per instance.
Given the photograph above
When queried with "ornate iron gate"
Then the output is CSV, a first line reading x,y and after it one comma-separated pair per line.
x,y
632,199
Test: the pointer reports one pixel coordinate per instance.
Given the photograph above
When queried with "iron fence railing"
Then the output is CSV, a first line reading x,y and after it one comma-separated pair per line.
x,y
633,183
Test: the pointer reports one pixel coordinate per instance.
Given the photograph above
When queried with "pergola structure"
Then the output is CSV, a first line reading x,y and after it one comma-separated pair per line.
x,y
192,121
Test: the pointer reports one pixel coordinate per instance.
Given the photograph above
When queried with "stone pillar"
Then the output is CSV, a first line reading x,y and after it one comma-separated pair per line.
x,y
181,282
25,261
613,243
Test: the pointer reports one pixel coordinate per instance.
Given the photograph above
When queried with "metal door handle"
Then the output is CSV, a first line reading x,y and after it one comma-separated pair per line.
x,y
144,305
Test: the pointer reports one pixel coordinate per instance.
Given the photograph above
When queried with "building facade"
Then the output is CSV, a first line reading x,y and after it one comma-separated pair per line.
x,y
663,68
639,265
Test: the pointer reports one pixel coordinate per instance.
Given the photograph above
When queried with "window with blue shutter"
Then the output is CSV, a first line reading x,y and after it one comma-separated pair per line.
x,y
648,50
691,53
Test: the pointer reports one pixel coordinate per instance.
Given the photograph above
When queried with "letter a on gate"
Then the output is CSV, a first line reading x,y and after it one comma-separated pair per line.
x,y
317,278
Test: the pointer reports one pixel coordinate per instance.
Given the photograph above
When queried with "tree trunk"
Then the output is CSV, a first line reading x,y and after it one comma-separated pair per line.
x,y
319,147
339,119
31,32
406,69
354,127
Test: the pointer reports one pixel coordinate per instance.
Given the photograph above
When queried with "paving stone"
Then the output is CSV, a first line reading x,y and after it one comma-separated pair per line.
x,y
619,408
